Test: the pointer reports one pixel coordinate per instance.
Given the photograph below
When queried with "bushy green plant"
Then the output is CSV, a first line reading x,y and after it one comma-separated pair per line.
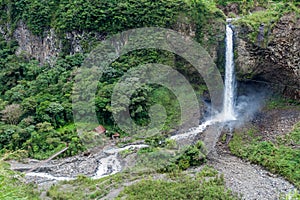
x,y
156,141
269,17
277,157
193,155
183,187
12,185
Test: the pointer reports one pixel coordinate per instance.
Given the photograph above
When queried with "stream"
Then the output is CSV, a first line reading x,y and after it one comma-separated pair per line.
x,y
107,161
98,165
250,180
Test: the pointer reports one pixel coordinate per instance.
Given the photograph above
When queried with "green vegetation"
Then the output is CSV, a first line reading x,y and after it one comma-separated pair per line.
x,y
204,185
12,185
268,17
278,102
295,195
193,155
102,16
280,157
86,188
168,160
180,187
36,100
106,17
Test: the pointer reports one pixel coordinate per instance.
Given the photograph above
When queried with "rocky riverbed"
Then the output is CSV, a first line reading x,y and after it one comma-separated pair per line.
x,y
97,165
248,180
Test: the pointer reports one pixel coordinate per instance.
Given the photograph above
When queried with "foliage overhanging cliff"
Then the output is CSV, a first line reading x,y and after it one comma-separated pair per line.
x,y
44,42
267,46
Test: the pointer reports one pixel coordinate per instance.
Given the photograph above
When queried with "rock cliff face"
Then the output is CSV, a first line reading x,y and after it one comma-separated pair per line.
x,y
277,62
44,49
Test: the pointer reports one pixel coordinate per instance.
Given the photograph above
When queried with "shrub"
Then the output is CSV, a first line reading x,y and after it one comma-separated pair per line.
x,y
12,113
279,158
183,187
12,185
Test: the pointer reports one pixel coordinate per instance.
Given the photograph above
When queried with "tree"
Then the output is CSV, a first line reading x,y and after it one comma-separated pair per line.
x,y
12,113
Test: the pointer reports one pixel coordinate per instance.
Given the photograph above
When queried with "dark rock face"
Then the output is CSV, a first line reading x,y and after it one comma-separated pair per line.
x,y
44,49
47,47
231,8
278,62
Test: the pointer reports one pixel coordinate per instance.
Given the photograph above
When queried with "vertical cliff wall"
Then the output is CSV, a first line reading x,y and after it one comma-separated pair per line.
x,y
272,58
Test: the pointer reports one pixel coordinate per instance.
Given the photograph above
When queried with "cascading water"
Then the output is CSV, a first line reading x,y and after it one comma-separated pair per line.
x,y
110,164
230,83
228,110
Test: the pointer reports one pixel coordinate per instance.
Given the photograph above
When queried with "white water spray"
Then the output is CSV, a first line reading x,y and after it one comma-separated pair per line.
x,y
228,110
229,91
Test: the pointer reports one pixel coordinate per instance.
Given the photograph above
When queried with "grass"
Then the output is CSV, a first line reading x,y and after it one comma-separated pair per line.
x,y
294,195
281,157
179,187
292,139
86,188
12,186
268,17
204,185
277,102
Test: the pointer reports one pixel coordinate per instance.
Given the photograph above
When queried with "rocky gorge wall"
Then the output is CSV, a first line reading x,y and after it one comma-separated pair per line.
x,y
47,47
274,59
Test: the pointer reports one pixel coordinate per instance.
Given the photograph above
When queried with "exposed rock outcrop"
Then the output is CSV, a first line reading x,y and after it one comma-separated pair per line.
x,y
44,49
231,8
276,62
47,47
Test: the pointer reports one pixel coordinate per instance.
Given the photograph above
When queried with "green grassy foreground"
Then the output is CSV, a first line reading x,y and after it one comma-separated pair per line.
x,y
206,184
12,187
280,157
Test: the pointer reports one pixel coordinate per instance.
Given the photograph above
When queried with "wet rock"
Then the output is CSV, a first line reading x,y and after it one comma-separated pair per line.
x,y
97,165
276,60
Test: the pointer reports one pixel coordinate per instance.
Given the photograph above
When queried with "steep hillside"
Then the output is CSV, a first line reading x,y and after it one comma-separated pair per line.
x,y
43,43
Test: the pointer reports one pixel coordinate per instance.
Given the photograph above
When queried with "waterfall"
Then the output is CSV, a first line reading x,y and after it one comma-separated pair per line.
x,y
230,83
228,111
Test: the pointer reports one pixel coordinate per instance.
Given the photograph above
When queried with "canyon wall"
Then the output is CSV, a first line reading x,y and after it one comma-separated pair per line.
x,y
274,58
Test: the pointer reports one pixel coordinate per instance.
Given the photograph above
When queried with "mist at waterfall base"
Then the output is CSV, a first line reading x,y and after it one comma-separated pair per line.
x,y
240,102
239,105
249,100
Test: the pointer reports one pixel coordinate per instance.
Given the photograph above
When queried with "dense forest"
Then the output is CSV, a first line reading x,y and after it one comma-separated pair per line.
x,y
36,91
36,99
